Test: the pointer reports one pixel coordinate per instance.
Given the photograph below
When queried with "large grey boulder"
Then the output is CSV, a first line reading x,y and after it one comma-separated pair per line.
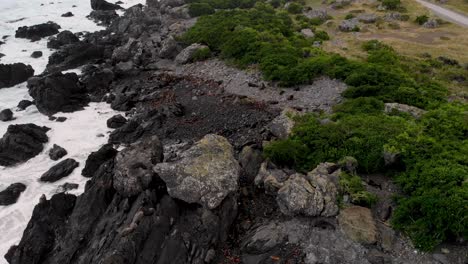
x,y
349,25
186,55
317,14
205,173
412,110
313,195
367,18
133,171
169,48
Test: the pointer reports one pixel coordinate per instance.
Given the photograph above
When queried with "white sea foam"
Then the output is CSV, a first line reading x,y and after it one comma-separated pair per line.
x,y
80,134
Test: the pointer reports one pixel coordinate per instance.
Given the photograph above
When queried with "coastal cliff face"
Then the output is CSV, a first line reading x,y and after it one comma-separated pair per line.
x,y
183,178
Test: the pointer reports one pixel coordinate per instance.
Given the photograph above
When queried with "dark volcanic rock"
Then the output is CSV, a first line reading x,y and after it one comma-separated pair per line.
x,y
57,92
37,32
63,38
6,115
97,158
105,227
67,14
97,81
48,217
11,194
67,187
13,74
103,5
60,170
2,55
103,17
72,56
36,54
23,104
57,152
116,121
21,143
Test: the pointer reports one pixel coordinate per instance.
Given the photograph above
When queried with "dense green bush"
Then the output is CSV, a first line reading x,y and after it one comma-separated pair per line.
x,y
391,4
421,19
295,8
200,9
362,136
435,179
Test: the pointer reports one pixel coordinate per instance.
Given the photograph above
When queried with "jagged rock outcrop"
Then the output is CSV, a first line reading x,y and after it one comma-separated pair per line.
x,y
149,227
205,174
13,74
57,92
97,158
37,32
11,194
97,81
21,143
103,17
133,166
74,55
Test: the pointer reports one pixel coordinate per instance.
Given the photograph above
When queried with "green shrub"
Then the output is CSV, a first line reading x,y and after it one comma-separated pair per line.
x,y
353,186
200,9
421,19
202,54
295,8
435,179
360,136
349,16
391,4
321,35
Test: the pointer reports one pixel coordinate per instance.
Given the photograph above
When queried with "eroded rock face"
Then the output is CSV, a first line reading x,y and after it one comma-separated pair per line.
x,y
57,93
13,74
21,143
11,194
313,195
37,32
133,168
205,174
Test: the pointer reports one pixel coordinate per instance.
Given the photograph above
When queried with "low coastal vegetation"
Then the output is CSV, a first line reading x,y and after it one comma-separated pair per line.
x,y
429,153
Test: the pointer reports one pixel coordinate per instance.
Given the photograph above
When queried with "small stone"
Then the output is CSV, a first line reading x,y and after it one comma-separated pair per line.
x,y
60,119
67,14
23,104
36,54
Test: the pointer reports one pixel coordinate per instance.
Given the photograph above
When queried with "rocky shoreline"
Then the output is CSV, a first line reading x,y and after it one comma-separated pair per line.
x,y
183,179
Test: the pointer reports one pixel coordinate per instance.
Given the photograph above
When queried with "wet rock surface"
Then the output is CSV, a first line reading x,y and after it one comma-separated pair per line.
x,y
57,93
6,115
21,143
97,158
37,32
63,38
57,152
11,194
60,170
13,74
